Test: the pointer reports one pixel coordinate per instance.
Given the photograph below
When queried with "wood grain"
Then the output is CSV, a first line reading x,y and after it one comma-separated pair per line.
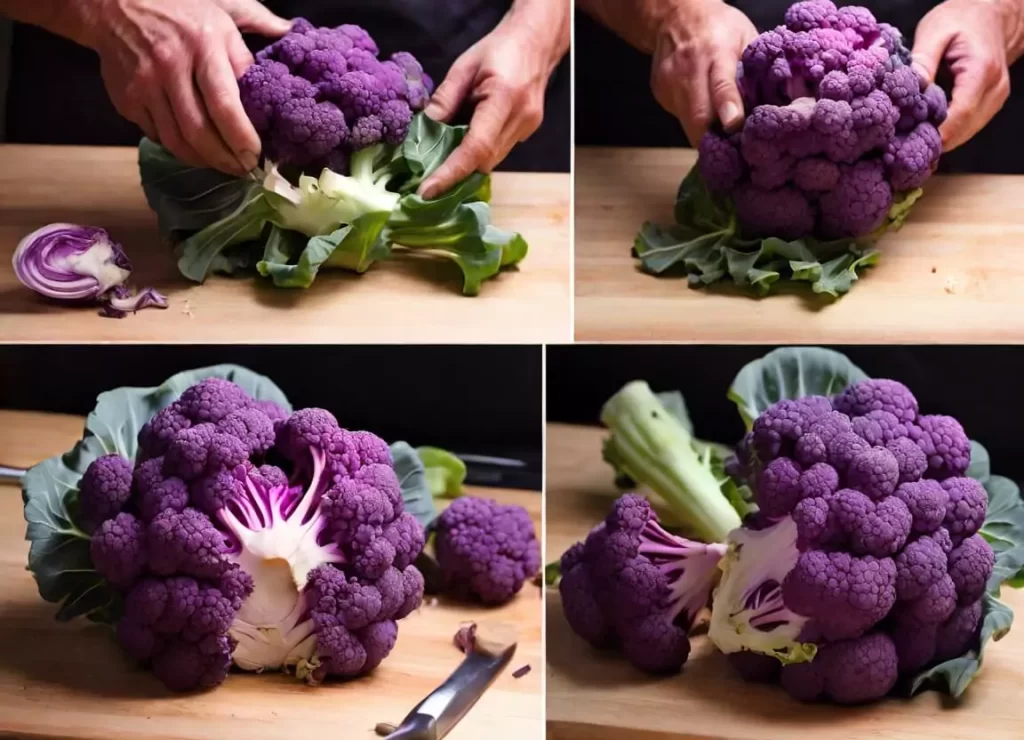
x,y
952,274
415,300
598,696
71,680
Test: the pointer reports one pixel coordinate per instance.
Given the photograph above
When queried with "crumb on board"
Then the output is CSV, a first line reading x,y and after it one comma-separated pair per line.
x,y
521,671
432,602
952,285
187,309
934,270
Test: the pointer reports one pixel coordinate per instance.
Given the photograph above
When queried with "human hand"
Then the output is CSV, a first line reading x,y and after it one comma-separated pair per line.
x,y
505,75
979,40
173,67
693,74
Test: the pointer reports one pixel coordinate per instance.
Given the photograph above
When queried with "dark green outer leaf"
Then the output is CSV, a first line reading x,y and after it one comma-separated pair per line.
x,y
790,372
200,252
413,477
59,551
186,198
427,145
953,676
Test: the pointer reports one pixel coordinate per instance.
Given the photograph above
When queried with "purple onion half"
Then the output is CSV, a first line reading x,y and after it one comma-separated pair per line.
x,y
68,262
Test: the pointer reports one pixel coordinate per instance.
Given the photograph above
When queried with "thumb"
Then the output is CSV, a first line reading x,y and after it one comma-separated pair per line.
x,y
725,95
445,101
930,43
252,17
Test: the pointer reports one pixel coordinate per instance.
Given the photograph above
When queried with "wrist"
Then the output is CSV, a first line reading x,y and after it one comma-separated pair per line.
x,y
546,24
1010,14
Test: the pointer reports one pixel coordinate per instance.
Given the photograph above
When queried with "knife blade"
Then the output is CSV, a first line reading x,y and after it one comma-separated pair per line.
x,y
436,716
11,475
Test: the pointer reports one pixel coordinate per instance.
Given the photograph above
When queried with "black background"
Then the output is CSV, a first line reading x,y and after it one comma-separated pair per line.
x,y
469,399
980,386
615,106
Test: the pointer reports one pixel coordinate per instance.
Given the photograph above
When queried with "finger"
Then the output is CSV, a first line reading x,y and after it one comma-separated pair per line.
x,y
445,101
479,151
219,88
144,121
930,43
725,95
973,104
195,126
238,54
253,17
167,132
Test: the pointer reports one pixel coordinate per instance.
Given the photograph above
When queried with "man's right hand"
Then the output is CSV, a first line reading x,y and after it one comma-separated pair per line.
x,y
173,69
699,44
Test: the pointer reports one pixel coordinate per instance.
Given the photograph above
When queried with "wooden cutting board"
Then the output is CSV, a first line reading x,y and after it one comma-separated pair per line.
x,y
71,680
598,696
952,274
410,300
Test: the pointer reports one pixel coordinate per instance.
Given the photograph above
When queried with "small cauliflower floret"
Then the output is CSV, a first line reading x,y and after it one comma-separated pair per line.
x,y
485,549
720,162
104,490
847,672
634,584
859,202
970,566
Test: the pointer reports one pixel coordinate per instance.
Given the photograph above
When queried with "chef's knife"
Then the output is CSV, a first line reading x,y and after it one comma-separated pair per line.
x,y
434,717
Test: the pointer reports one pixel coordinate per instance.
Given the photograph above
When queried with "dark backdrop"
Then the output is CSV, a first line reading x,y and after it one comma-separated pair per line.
x,y
977,385
470,399
615,106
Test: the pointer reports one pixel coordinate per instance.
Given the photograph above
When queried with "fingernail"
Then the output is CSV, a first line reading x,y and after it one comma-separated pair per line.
x,y
729,113
249,160
921,71
427,191
432,111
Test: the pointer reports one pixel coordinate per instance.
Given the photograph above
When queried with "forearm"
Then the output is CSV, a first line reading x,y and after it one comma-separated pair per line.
x,y
636,21
551,21
62,17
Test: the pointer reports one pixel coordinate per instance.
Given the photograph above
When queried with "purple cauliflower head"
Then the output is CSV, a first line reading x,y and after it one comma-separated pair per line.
x,y
867,566
249,536
317,94
831,85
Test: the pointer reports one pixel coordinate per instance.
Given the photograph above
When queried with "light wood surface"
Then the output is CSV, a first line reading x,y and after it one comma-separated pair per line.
x,y
71,680
598,696
952,274
408,301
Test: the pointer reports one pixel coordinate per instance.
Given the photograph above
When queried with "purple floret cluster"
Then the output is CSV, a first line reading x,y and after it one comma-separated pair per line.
x,y
889,566
633,585
318,94
248,535
486,550
838,125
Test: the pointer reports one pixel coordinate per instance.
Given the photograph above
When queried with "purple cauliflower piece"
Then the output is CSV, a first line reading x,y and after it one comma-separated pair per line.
x,y
485,549
634,585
